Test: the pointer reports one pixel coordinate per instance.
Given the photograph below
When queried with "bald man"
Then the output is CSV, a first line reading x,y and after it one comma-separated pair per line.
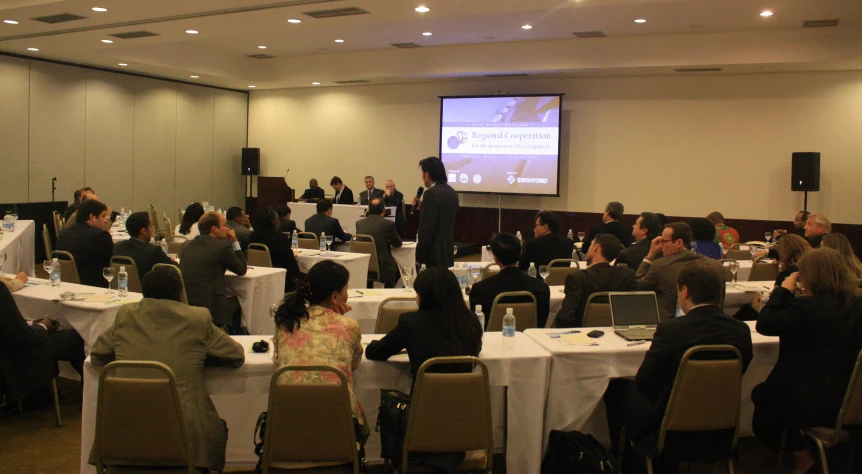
x,y
314,192
393,197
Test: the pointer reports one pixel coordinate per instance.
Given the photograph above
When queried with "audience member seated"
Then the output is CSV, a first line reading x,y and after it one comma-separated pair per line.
x,y
314,192
660,274
203,262
89,243
343,194
640,404
548,244
798,226
598,276
646,228
506,248
385,237
74,207
311,329
265,233
816,227
88,195
703,238
284,222
15,284
610,225
188,228
841,244
370,191
138,246
160,328
820,335
725,236
324,222
237,221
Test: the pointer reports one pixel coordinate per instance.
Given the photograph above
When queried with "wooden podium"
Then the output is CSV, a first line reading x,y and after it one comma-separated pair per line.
x,y
271,191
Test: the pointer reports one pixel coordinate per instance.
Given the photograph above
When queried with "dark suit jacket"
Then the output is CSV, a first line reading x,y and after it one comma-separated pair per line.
x,y
396,200
614,228
74,207
511,279
581,284
346,197
280,254
385,237
203,262
646,405
144,255
634,254
421,334
437,227
819,340
661,277
313,194
92,249
542,250
243,234
287,225
375,193
322,223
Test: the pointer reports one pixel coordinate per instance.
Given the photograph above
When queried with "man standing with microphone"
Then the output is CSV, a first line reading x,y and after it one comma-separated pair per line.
x,y
437,219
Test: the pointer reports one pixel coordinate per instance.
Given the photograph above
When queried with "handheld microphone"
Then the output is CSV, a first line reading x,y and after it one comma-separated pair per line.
x,y
418,195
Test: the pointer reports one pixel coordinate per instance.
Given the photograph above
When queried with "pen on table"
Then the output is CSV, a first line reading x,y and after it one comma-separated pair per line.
x,y
768,288
636,343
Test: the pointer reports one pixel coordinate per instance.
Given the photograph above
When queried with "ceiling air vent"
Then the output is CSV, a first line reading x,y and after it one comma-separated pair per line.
x,y
589,34
355,81
503,76
260,56
698,69
134,34
61,18
819,23
406,45
319,14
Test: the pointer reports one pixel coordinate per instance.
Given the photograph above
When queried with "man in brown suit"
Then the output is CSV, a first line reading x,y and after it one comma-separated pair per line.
x,y
660,275
184,338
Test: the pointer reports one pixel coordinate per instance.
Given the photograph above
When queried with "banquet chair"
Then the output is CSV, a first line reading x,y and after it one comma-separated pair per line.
x,y
763,272
387,315
523,304
153,435
849,415
708,376
68,268
13,389
58,223
558,270
597,312
258,255
184,298
321,430
451,412
365,244
46,239
487,272
169,229
308,240
175,243
728,276
131,268
737,255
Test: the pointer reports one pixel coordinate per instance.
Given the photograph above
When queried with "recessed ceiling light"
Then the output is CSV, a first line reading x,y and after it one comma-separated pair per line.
x,y
766,13
11,22
107,41
251,87
294,20
32,49
194,77
427,33
261,47
315,83
99,9
527,27
422,9
123,64
339,41
640,20
192,32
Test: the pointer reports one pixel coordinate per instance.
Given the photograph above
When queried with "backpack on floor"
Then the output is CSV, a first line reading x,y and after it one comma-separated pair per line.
x,y
573,452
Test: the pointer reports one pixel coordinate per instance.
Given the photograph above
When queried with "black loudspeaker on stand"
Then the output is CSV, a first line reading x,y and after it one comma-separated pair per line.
x,y
805,173
250,167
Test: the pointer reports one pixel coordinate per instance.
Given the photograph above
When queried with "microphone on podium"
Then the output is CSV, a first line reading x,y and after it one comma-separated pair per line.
x,y
418,195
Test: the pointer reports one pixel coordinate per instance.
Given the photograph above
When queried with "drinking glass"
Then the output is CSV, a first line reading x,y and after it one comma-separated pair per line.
x,y
768,236
454,250
753,250
581,236
14,220
273,308
475,272
543,271
407,274
734,268
108,274
328,242
47,265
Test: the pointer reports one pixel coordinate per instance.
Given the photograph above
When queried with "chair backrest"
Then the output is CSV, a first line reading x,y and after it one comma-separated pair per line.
x,y
169,229
450,411
131,268
707,376
68,268
154,218
851,410
366,244
307,240
154,432
738,255
58,223
490,270
258,255
597,312
558,270
309,421
524,306
728,276
185,298
175,244
46,239
390,310
763,272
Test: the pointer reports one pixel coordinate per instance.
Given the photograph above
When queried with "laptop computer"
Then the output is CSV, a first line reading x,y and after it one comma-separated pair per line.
x,y
634,314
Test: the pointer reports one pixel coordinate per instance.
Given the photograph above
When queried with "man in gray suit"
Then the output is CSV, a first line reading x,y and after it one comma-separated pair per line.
x,y
437,217
660,274
385,237
161,328
237,221
203,262
370,191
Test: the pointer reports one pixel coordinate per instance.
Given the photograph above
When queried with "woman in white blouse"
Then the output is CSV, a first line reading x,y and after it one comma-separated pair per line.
x,y
188,228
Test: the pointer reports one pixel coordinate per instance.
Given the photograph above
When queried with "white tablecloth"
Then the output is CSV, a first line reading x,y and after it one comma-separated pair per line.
x,y
257,290
346,214
356,264
403,256
240,395
580,375
20,248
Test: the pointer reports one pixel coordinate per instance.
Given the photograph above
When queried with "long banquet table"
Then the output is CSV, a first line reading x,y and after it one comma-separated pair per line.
x,y
20,248
240,395
347,214
356,264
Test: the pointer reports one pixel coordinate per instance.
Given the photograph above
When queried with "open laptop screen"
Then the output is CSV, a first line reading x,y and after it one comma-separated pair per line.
x,y
634,309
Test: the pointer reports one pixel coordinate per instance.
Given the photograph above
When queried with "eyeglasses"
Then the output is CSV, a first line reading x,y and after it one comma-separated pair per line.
x,y
667,241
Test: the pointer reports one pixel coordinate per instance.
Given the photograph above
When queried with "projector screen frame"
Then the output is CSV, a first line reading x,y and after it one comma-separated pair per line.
x,y
504,95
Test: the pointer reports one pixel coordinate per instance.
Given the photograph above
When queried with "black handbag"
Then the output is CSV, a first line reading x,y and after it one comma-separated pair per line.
x,y
392,422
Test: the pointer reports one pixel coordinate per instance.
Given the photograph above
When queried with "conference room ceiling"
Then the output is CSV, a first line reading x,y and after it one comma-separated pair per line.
x,y
469,38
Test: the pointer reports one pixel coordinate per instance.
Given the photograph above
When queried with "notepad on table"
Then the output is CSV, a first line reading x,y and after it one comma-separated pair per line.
x,y
578,339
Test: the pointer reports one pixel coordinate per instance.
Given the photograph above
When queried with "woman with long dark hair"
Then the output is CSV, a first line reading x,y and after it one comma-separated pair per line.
x,y
266,232
188,228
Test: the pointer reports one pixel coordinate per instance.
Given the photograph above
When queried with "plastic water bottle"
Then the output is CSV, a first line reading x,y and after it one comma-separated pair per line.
x,y
509,329
323,242
518,235
294,241
532,270
164,245
571,235
8,222
481,316
55,273
123,281
423,268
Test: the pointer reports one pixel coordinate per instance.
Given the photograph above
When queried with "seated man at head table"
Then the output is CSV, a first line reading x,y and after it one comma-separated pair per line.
x,y
314,192
506,248
370,191
385,235
597,277
323,222
238,222
394,198
138,246
646,228
161,328
89,243
343,194
548,244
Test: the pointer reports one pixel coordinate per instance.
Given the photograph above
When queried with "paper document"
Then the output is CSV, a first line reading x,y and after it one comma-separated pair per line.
x,y
98,298
579,339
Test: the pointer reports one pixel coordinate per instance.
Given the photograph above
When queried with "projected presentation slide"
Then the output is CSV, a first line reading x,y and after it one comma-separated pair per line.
x,y
501,144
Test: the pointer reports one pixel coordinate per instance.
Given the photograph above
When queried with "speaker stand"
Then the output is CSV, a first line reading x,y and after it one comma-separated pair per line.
x,y
805,203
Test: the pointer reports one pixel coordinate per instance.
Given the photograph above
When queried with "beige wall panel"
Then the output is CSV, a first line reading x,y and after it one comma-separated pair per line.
x,y
231,124
14,129
109,165
195,108
57,104
155,144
